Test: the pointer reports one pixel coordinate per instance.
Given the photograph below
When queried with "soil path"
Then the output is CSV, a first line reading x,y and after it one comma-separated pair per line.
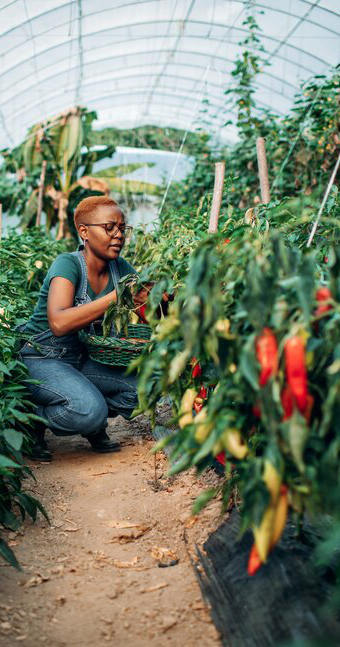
x,y
92,576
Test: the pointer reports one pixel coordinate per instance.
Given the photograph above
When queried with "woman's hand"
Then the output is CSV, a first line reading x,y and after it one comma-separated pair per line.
x,y
141,297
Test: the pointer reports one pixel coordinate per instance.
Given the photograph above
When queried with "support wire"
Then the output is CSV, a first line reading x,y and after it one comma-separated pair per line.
x,y
325,198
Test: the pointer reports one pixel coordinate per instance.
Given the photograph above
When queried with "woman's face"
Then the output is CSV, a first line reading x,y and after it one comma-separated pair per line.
x,y
106,242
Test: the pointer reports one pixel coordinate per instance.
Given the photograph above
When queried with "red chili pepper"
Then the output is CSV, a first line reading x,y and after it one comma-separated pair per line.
x,y
203,393
257,410
322,295
296,370
221,458
287,402
254,562
226,241
196,371
325,259
198,406
141,313
267,355
309,407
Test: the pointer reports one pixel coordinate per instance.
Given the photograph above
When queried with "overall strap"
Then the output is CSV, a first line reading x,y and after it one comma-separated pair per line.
x,y
115,274
81,295
114,270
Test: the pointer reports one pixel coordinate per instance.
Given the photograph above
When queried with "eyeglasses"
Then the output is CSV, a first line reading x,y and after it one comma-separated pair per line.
x,y
110,227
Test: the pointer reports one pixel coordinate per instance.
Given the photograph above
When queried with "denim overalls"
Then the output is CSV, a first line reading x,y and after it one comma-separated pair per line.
x,y
76,393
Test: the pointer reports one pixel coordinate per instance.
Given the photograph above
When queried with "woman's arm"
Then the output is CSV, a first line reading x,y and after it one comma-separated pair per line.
x,y
63,316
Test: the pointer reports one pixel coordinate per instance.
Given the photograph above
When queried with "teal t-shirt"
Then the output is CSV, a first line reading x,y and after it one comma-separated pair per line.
x,y
68,267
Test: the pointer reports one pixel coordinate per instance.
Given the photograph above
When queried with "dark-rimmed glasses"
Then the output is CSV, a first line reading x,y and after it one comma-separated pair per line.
x,y
111,228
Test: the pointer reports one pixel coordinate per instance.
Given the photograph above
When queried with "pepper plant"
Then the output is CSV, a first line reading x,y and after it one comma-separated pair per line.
x,y
260,316
24,260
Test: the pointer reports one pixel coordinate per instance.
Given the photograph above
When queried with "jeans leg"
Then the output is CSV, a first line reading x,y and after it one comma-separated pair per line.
x,y
119,390
69,402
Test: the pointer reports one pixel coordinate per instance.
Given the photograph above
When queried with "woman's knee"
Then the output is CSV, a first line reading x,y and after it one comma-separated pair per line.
x,y
70,403
80,415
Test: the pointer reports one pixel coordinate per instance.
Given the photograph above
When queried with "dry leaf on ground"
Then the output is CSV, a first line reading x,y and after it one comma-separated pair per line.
x,y
156,587
119,564
36,580
130,534
122,524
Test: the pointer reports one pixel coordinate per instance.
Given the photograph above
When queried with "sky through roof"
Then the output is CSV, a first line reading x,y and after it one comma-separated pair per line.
x,y
152,61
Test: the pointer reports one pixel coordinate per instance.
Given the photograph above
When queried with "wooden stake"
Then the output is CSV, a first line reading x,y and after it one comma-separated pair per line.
x,y
40,194
217,197
263,169
0,220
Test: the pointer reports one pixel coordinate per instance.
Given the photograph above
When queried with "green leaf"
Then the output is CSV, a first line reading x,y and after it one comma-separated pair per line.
x,y
203,499
7,553
248,364
7,462
13,438
4,369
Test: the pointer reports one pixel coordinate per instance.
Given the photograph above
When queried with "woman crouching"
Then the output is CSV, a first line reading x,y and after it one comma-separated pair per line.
x,y
75,393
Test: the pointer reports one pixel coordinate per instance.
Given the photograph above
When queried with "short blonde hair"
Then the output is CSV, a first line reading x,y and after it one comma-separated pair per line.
x,y
87,206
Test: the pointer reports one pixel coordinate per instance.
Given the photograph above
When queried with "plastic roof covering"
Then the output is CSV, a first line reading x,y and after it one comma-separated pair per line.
x,y
152,61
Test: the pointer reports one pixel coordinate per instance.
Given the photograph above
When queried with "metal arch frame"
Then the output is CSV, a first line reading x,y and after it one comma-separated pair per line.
x,y
80,51
67,4
323,8
158,22
223,58
128,4
179,36
293,15
127,91
200,22
165,51
119,78
132,92
175,107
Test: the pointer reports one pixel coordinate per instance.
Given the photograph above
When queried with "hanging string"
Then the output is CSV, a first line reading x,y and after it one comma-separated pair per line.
x,y
325,198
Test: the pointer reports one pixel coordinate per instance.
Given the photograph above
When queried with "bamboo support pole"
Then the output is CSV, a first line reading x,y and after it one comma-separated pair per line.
x,y
263,169
0,220
40,194
217,197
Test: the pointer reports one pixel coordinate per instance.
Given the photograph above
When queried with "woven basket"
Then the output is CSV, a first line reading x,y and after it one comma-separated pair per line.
x,y
118,351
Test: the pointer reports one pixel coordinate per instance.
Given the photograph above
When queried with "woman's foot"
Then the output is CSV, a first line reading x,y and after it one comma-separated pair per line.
x,y
102,443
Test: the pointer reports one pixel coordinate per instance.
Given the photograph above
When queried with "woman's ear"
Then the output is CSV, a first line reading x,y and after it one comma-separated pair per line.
x,y
82,232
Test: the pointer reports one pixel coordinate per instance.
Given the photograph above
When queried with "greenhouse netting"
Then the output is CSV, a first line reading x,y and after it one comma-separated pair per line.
x,y
152,61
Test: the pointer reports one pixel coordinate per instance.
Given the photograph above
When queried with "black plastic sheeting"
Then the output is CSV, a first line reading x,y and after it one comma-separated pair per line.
x,y
283,603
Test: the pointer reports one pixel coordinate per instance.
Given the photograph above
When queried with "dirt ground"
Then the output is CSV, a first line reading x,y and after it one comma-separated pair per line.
x,y
92,577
